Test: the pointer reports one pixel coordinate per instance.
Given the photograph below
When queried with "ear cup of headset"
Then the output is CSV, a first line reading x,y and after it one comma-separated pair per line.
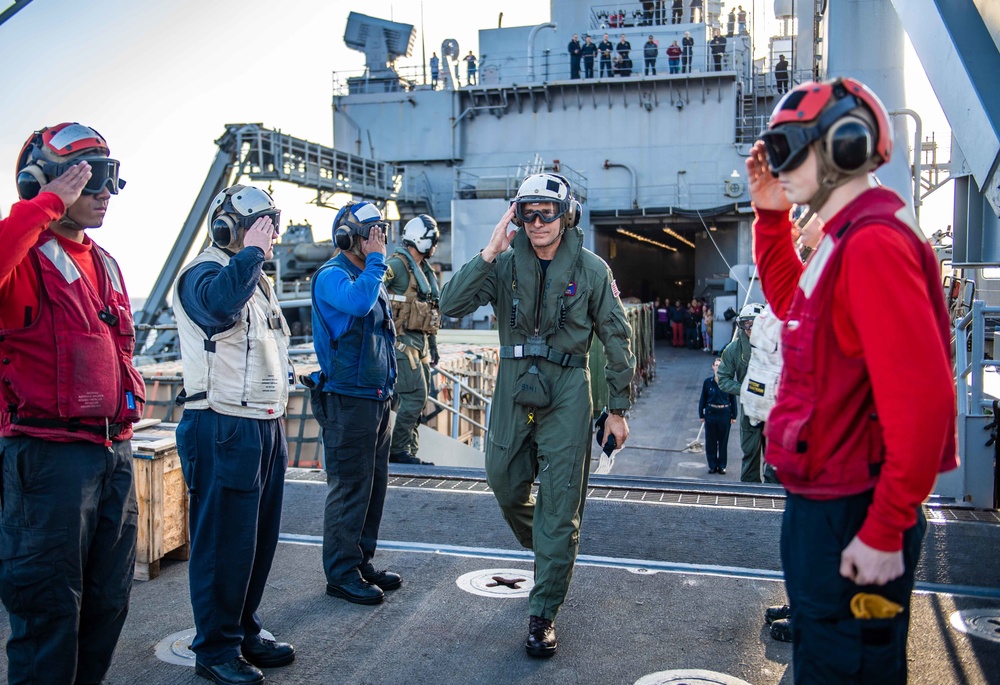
x,y
850,144
573,213
30,180
223,231
342,238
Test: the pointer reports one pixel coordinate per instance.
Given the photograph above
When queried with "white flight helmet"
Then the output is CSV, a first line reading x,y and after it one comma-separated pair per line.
x,y
421,233
751,311
547,187
236,208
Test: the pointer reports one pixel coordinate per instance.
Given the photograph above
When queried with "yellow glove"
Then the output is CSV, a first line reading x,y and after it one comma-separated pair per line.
x,y
866,605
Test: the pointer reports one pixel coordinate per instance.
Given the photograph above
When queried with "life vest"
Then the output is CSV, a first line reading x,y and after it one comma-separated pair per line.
x,y
759,390
244,370
824,435
361,362
68,376
417,308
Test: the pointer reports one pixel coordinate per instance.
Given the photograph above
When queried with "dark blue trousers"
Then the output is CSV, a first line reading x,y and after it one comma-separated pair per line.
x,y
356,450
829,644
68,523
717,443
235,471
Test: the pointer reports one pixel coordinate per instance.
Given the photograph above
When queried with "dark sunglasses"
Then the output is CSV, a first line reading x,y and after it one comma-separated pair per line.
x,y
788,146
103,174
526,215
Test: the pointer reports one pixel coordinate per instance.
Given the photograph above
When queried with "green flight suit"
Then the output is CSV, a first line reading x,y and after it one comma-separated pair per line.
x,y
553,443
732,371
413,354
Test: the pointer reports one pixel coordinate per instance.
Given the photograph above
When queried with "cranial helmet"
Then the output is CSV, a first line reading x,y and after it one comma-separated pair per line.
x,y
843,120
547,187
50,152
421,233
236,208
355,219
751,311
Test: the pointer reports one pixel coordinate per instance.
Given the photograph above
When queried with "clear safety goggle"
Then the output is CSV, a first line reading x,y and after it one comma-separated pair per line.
x,y
547,212
103,174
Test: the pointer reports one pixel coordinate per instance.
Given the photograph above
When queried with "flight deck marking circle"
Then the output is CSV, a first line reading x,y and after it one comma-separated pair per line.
x,y
689,677
498,582
176,648
692,465
984,623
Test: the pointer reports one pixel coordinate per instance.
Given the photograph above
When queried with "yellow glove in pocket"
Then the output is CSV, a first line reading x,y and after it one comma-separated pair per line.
x,y
867,606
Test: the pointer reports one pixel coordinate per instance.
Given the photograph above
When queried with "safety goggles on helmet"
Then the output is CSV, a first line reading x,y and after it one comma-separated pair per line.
x,y
548,212
103,173
788,145
248,221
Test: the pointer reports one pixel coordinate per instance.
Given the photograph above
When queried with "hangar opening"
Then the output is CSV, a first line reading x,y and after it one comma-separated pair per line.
x,y
667,256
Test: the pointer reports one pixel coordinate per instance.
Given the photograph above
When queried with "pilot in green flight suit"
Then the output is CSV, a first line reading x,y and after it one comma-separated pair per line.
x,y
549,295
413,296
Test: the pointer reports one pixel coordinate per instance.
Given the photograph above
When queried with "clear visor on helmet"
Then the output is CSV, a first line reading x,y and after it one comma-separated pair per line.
x,y
547,211
103,173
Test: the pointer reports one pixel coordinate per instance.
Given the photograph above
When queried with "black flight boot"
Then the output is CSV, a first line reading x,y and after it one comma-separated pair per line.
x,y
541,640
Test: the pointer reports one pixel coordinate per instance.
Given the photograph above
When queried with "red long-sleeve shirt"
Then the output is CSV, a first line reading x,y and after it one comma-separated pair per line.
x,y
882,313
18,278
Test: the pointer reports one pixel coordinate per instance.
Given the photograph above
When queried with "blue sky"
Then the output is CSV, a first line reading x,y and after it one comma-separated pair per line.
x,y
161,79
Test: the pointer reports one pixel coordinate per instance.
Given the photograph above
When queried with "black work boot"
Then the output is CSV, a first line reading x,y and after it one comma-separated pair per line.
x,y
775,613
265,653
407,458
541,640
234,672
781,630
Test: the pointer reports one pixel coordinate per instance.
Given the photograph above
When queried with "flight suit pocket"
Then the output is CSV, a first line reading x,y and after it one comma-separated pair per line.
x,y
31,566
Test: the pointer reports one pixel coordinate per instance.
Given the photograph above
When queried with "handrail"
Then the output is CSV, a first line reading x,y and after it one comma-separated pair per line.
x,y
456,411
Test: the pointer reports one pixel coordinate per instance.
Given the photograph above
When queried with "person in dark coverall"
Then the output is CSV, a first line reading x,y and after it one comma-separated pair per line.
x,y
588,51
413,295
550,295
735,360
717,410
354,338
70,395
856,468
575,52
605,47
231,437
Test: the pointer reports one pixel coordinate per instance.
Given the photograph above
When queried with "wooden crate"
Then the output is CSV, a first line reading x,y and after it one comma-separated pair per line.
x,y
162,496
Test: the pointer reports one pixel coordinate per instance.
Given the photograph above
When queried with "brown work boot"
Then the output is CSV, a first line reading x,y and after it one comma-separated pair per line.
x,y
541,640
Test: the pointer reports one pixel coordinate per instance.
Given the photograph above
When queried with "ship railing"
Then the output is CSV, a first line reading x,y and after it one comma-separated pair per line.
x,y
547,66
633,15
975,481
503,181
680,195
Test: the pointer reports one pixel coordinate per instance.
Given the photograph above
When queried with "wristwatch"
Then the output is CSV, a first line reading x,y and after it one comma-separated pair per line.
x,y
620,412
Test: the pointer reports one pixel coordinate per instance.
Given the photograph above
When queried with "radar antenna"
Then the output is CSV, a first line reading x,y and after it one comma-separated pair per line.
x,y
383,42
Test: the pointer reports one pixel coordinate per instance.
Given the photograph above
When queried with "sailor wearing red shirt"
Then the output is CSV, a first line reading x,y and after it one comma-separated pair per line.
x,y
69,397
855,464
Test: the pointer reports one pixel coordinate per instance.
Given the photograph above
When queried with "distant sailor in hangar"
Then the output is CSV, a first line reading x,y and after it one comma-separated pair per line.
x,y
413,295
550,295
